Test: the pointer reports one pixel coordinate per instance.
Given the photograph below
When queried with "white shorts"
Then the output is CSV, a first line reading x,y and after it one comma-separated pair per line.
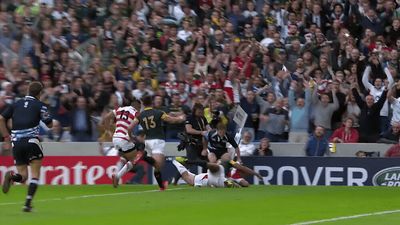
x,y
155,146
201,180
122,145
211,179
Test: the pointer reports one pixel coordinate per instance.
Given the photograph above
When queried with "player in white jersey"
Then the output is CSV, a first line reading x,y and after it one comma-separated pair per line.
x,y
122,138
215,176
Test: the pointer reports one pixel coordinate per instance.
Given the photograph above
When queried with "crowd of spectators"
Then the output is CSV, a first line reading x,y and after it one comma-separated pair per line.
x,y
293,66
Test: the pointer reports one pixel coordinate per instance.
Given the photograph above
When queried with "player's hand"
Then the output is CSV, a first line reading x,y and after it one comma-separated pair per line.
x,y
204,152
204,133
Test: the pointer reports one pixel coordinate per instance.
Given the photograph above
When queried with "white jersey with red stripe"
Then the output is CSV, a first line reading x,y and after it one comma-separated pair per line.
x,y
124,117
211,179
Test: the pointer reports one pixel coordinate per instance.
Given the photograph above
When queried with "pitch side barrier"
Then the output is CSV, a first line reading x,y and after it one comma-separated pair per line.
x,y
279,149
325,171
91,170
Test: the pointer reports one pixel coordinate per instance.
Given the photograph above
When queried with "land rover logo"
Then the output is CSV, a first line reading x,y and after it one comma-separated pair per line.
x,y
387,177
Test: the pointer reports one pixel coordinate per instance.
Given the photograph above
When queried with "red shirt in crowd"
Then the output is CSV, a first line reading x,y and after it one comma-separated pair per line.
x,y
393,152
346,137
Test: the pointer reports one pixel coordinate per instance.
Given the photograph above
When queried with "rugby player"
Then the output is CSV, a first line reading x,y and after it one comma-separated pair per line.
x,y
217,141
215,176
122,138
151,120
26,115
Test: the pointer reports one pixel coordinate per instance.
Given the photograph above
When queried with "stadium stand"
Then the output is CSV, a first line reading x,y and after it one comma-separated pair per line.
x,y
93,56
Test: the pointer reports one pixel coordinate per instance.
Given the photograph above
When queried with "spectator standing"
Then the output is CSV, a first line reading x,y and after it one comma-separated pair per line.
x,y
176,109
251,107
369,117
299,114
317,144
81,125
323,110
277,118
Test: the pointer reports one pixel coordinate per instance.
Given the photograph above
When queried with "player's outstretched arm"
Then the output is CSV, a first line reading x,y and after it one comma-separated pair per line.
x,y
173,119
244,169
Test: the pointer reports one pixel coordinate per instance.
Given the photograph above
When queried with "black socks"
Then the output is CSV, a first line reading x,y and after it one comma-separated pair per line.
x,y
16,177
157,175
31,191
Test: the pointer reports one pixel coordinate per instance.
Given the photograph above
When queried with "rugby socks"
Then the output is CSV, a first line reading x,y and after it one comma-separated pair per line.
x,y
31,191
158,176
16,177
181,169
128,166
122,161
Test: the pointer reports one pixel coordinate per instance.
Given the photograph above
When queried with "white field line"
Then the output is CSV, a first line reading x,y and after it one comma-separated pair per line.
x,y
90,196
348,217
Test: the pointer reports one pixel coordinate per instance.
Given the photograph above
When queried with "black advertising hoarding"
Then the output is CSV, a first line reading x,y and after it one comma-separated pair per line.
x,y
320,171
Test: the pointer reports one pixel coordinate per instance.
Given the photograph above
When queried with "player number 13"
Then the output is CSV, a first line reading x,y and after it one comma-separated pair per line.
x,y
149,122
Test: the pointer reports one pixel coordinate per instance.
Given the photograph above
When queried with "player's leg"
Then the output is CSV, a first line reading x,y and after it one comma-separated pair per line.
x,y
213,167
157,147
33,184
243,183
244,169
11,177
186,175
158,165
127,150
130,156
21,161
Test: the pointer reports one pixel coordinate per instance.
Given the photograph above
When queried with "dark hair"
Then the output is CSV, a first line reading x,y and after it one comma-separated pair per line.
x,y
197,106
35,88
147,100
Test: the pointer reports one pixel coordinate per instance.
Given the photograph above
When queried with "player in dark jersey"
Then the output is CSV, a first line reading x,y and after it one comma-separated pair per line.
x,y
151,120
216,144
26,115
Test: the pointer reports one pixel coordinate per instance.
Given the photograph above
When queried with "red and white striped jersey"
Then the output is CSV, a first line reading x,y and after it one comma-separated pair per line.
x,y
124,117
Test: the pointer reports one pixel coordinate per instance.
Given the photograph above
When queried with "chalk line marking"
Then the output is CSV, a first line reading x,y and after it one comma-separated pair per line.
x,y
91,196
348,217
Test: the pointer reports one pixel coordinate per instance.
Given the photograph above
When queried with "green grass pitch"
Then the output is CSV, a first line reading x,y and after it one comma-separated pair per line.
x,y
184,205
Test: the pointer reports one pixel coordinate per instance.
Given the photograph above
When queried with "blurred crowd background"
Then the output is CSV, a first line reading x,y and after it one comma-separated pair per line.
x,y
300,69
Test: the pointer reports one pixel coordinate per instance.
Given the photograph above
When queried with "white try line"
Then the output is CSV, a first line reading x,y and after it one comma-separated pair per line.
x,y
348,217
91,196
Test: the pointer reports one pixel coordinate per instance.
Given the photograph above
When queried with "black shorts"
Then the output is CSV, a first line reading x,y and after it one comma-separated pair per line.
x,y
218,154
26,149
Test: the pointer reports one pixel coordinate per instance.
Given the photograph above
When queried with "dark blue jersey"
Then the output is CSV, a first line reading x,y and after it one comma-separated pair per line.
x,y
218,143
26,115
